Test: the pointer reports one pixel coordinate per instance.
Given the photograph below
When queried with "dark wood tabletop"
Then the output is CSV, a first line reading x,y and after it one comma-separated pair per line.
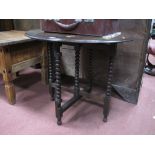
x,y
81,39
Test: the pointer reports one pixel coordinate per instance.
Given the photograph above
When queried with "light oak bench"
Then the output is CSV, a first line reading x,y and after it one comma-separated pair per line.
x,y
18,52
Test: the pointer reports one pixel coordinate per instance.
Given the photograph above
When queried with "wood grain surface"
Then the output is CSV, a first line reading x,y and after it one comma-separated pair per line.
x,y
12,37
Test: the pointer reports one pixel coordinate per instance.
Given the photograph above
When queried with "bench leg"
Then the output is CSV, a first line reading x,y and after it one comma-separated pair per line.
x,y
9,87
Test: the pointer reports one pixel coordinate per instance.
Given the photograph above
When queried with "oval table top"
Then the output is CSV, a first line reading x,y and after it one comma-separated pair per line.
x,y
81,39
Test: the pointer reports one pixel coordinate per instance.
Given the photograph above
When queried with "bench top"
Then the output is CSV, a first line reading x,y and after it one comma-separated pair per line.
x,y
13,37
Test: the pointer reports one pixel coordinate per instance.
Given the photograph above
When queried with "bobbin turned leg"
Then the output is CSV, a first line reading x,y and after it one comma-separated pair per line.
x,y
90,70
106,106
56,49
77,64
51,70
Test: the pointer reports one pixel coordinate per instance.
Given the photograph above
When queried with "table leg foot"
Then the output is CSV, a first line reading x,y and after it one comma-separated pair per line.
x,y
59,122
59,113
105,119
106,108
